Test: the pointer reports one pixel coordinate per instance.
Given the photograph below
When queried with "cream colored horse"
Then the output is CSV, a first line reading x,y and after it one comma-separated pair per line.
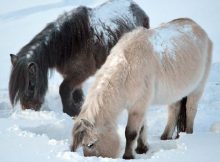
x,y
146,67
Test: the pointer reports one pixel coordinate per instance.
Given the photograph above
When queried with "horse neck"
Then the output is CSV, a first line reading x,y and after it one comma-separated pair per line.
x,y
60,40
40,49
102,109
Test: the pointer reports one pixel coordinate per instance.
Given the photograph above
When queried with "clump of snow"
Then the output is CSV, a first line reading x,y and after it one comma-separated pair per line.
x,y
104,16
163,39
5,110
215,127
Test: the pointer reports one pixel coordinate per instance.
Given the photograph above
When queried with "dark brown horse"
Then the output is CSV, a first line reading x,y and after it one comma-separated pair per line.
x,y
76,44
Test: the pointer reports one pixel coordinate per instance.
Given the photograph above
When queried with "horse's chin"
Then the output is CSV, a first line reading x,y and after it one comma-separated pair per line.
x,y
35,107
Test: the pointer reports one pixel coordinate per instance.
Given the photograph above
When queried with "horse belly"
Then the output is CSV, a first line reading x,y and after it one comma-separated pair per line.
x,y
175,91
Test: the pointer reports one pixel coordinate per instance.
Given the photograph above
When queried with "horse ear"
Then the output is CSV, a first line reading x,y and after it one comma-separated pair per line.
x,y
87,123
14,59
32,67
79,132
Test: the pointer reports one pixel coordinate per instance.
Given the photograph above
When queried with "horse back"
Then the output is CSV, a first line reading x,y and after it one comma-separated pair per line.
x,y
173,58
184,62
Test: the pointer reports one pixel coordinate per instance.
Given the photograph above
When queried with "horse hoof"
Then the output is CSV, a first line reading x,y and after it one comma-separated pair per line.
x,y
189,131
127,157
141,150
165,137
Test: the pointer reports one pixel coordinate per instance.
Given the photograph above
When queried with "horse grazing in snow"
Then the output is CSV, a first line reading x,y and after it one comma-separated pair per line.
x,y
165,65
76,44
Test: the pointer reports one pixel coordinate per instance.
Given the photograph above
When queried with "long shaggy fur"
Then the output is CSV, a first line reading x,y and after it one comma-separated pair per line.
x,y
148,67
75,46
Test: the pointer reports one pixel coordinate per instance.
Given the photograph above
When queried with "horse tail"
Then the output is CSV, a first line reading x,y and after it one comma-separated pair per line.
x,y
181,121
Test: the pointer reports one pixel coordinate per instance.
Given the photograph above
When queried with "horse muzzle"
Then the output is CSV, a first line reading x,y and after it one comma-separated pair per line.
x,y
32,106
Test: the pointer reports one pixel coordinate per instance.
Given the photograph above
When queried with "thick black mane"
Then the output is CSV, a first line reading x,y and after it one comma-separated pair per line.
x,y
61,39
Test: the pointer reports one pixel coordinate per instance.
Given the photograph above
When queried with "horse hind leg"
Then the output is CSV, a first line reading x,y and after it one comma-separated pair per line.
x,y
173,112
194,97
191,109
182,115
190,105
142,146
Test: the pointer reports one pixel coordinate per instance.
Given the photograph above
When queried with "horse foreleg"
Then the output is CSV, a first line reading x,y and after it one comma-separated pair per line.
x,y
71,98
135,122
142,146
173,112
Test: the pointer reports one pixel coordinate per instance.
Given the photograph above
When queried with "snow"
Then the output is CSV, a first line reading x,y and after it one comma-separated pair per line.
x,y
107,13
46,135
163,39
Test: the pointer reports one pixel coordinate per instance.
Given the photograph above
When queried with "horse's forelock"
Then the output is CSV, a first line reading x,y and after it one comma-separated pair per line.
x,y
18,82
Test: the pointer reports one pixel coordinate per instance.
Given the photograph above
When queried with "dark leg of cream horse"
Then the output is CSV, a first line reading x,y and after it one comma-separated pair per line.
x,y
135,122
174,112
191,107
142,141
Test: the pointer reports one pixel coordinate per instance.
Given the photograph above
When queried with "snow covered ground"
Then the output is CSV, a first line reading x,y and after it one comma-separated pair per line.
x,y
30,136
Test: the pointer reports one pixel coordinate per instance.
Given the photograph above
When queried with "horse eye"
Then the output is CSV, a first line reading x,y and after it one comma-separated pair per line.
x,y
90,145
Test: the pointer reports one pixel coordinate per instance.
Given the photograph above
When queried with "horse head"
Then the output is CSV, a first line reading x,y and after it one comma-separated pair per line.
x,y
26,83
95,141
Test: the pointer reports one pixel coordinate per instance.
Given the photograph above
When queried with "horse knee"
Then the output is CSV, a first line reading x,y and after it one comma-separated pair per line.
x,y
130,134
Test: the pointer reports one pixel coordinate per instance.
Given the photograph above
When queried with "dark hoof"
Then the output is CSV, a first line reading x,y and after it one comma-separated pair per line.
x,y
177,136
190,131
141,150
165,137
127,157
